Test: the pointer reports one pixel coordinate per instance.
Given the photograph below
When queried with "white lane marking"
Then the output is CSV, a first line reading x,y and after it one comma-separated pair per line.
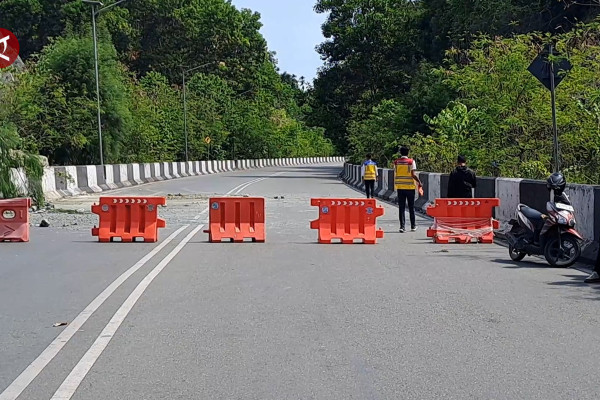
x,y
71,383
244,186
197,217
33,370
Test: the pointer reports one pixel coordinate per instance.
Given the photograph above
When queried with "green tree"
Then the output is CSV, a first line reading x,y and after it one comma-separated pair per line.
x,y
12,159
381,133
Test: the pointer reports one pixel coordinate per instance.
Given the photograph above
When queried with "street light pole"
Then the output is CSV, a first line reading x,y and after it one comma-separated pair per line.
x,y
185,117
95,12
97,82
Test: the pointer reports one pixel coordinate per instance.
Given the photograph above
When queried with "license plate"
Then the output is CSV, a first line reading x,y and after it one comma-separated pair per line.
x,y
565,207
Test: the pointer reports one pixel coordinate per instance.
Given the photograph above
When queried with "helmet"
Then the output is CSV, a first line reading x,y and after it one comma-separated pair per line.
x,y
556,182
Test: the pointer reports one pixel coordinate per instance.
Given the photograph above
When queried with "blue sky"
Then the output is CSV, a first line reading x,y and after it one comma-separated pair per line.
x,y
293,30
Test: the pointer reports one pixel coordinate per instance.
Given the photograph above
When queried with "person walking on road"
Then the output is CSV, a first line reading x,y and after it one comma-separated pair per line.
x,y
369,175
405,176
595,276
462,180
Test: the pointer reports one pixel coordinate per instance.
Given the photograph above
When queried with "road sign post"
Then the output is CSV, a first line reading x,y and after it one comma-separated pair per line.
x,y
550,72
554,124
207,140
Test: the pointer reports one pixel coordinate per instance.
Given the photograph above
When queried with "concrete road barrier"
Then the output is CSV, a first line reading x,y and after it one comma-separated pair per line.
x,y
67,181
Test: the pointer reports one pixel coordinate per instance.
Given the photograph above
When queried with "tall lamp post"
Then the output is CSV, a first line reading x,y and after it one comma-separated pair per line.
x,y
185,133
96,11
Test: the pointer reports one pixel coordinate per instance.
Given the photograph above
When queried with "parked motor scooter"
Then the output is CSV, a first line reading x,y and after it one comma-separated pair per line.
x,y
552,234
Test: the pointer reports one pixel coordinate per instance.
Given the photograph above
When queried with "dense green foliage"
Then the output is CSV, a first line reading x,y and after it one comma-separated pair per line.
x,y
443,76
449,77
236,95
20,173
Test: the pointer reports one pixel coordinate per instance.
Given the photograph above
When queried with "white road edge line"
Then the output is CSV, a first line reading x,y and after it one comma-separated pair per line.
x,y
14,390
71,383
17,387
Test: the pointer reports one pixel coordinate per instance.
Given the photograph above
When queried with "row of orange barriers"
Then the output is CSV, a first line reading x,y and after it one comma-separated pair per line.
x,y
241,218
230,218
347,220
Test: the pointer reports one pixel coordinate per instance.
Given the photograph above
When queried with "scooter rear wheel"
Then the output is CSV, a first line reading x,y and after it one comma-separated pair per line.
x,y
515,255
567,256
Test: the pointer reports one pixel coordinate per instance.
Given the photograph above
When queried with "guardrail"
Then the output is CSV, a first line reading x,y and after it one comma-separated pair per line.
x,y
65,181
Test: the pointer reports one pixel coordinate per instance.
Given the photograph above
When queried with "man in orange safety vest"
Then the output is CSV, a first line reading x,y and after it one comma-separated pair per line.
x,y
405,176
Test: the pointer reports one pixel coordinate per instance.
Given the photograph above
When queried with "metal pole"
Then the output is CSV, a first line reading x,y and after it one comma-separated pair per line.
x,y
554,124
185,117
97,83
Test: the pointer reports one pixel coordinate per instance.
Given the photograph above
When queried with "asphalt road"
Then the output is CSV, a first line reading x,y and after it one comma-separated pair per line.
x,y
289,318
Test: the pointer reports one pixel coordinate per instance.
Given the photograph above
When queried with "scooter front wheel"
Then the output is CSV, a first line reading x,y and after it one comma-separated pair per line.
x,y
515,255
562,257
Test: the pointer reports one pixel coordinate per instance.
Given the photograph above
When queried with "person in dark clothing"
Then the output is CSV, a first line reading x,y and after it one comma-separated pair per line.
x,y
595,276
462,180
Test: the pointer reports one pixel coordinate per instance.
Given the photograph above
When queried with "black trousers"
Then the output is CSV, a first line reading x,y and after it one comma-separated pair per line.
x,y
370,188
406,196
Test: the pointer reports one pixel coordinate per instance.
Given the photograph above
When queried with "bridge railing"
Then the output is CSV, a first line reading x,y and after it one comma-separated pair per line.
x,y
65,181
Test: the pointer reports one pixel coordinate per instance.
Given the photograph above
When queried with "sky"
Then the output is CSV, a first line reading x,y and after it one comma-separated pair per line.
x,y
293,30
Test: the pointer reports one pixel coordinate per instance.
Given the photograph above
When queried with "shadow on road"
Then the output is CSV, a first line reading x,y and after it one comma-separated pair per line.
x,y
522,264
577,281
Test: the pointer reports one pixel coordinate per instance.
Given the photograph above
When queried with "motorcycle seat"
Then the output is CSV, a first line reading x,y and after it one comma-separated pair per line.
x,y
531,213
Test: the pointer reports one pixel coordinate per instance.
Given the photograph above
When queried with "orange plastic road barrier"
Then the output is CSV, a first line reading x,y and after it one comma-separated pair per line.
x,y
14,220
347,220
236,219
463,220
128,218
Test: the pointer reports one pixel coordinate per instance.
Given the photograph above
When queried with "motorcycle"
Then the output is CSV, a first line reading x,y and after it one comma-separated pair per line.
x,y
552,234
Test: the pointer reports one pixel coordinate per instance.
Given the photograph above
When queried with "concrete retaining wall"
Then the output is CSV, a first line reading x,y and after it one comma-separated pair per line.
x,y
75,180
511,192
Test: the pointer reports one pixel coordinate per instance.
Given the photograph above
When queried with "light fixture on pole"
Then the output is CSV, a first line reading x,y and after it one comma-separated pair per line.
x,y
95,11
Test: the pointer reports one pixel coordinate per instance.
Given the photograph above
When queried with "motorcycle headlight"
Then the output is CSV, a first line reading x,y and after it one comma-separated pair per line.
x,y
561,220
572,223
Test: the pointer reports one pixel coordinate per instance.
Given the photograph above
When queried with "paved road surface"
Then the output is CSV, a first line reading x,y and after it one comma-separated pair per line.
x,y
288,319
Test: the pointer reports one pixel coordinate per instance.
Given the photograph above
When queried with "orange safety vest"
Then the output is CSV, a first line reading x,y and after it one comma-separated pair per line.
x,y
403,178
370,170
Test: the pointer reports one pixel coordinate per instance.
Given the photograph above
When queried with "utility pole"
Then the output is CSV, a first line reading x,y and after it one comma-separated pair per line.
x,y
95,12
